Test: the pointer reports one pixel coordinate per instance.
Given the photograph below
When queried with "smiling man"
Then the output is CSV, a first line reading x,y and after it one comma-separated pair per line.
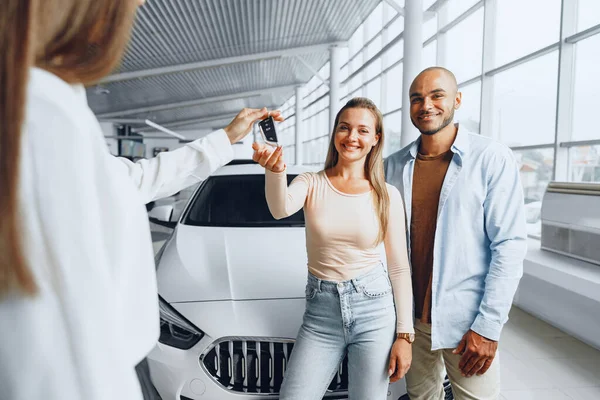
x,y
467,242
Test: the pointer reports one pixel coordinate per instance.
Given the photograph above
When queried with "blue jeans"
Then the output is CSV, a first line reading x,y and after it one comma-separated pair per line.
x,y
355,317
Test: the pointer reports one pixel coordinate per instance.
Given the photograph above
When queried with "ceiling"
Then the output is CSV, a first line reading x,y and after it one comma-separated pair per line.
x,y
193,61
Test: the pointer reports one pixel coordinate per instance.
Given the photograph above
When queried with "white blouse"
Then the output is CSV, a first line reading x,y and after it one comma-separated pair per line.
x,y
87,239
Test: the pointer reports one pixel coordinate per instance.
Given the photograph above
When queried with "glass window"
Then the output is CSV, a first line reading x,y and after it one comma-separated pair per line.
x,y
428,3
536,171
373,69
395,28
236,200
324,122
393,88
318,152
523,27
429,27
392,124
374,91
290,154
307,159
469,112
457,7
356,63
315,127
374,47
584,164
344,90
465,47
355,82
323,146
356,42
307,128
586,89
374,22
344,57
524,102
388,12
344,73
394,54
325,69
429,55
311,85
322,91
288,137
589,14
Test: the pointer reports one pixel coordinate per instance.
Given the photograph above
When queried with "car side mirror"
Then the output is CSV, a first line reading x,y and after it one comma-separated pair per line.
x,y
161,215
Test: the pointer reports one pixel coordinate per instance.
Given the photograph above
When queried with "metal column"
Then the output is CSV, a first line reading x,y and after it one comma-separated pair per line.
x,y
335,65
413,48
299,109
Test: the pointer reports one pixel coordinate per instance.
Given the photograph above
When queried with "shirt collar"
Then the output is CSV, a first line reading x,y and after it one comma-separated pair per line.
x,y
460,145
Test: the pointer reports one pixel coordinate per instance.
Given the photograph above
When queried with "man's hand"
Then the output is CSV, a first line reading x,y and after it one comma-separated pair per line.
x,y
400,359
241,125
477,352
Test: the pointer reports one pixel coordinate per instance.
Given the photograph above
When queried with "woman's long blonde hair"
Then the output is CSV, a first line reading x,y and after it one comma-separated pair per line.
x,y
373,164
80,41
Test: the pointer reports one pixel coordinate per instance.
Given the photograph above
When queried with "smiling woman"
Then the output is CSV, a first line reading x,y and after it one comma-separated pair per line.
x,y
349,211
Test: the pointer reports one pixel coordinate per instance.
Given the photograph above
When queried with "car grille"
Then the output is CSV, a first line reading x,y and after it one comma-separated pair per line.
x,y
257,366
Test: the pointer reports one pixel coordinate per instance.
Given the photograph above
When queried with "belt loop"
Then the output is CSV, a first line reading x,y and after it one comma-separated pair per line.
x,y
319,285
356,285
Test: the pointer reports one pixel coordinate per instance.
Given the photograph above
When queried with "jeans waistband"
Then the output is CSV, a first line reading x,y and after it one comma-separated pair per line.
x,y
355,284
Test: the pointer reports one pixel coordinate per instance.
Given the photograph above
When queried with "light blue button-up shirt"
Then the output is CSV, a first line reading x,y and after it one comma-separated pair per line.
x,y
480,239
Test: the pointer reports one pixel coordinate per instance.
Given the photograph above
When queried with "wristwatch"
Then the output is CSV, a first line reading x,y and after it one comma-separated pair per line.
x,y
409,337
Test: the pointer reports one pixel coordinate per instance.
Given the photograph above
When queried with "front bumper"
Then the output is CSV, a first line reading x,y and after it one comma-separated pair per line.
x,y
182,374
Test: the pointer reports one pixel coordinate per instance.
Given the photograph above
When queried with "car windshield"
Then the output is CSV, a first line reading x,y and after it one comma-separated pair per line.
x,y
236,201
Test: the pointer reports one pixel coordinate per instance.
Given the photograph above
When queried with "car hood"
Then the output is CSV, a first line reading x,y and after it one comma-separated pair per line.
x,y
214,263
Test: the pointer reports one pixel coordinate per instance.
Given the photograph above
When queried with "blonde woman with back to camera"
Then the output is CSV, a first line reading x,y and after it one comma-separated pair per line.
x,y
78,300
354,306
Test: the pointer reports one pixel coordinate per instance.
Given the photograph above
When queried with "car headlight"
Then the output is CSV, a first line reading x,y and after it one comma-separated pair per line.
x,y
175,330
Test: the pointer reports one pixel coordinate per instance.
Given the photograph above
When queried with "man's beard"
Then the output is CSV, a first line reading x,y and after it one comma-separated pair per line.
x,y
447,121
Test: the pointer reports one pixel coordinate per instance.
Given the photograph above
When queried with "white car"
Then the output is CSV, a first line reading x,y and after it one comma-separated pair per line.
x,y
231,282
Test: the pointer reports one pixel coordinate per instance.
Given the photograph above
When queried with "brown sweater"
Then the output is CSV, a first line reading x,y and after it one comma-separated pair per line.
x,y
428,178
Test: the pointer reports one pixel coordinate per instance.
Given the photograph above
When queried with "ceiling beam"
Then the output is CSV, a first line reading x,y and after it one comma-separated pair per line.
x,y
399,9
435,7
172,69
191,103
427,15
313,71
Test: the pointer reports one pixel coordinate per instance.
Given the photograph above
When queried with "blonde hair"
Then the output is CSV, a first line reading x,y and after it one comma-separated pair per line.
x,y
373,164
80,41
